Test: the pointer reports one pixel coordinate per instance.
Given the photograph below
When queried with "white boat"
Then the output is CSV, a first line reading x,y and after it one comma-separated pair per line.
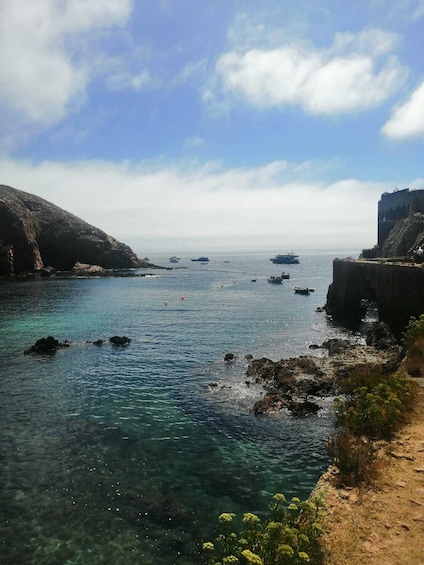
x,y
275,279
286,259
278,279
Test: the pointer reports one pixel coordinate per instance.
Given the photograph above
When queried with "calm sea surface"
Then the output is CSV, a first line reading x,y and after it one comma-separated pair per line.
x,y
125,455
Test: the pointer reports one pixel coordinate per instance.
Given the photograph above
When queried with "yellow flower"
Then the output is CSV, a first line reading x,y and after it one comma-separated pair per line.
x,y
285,550
208,546
250,518
226,517
279,497
252,557
304,556
230,559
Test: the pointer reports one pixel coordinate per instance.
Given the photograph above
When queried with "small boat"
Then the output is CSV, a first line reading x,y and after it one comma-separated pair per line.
x,y
303,290
278,279
286,259
275,279
202,259
174,259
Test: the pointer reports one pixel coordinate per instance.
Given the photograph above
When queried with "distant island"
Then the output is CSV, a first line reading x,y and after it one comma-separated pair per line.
x,y
35,235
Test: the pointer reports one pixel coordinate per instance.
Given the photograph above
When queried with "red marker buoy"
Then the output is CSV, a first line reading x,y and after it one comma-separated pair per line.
x,y
182,298
166,303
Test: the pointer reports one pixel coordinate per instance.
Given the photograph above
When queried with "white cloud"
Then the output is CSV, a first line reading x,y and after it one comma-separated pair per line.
x,y
407,121
42,72
345,78
257,206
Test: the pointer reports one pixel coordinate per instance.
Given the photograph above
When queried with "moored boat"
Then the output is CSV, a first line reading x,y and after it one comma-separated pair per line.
x,y
275,279
303,290
202,259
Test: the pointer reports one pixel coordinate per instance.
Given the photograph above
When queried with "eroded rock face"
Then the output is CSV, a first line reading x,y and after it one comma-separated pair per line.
x,y
35,233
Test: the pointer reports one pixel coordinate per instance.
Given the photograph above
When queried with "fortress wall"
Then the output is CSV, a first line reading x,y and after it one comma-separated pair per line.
x,y
397,290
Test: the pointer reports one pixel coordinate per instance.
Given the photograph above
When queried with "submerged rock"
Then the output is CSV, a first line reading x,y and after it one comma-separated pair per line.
x,y
119,340
46,346
229,357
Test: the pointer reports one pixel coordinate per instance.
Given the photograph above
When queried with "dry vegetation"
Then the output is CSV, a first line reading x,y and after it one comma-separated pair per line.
x,y
382,522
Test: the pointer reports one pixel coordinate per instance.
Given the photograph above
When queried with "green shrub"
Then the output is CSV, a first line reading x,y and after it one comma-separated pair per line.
x,y
414,330
288,535
414,362
375,411
354,457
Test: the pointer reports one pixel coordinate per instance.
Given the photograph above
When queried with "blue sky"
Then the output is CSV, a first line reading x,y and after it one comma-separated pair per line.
x,y
179,125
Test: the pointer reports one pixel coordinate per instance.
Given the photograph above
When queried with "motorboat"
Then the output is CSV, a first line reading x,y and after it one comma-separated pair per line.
x,y
303,290
275,279
286,259
174,259
202,259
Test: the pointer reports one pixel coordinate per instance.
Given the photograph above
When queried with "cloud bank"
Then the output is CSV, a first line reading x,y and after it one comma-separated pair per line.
x,y
268,207
357,72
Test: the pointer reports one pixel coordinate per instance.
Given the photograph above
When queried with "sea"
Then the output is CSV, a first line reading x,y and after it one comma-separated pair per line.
x,y
128,454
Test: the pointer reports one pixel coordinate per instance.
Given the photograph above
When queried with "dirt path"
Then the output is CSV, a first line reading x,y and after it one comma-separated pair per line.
x,y
384,524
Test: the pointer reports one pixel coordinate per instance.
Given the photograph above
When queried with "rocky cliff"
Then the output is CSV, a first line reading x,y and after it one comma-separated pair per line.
x,y
35,233
405,238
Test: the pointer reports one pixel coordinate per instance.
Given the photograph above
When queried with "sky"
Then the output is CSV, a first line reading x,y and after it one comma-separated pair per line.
x,y
214,125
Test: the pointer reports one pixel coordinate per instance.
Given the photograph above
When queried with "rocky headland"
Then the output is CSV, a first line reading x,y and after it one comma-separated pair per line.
x,y
35,235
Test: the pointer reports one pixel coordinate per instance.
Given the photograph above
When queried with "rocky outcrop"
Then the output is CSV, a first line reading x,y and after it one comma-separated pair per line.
x,y
299,386
405,237
35,233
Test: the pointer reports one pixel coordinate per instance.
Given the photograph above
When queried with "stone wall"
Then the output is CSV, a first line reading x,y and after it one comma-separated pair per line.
x,y
397,289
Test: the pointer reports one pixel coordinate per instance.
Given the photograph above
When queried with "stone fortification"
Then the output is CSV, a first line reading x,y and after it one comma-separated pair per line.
x,y
35,233
396,289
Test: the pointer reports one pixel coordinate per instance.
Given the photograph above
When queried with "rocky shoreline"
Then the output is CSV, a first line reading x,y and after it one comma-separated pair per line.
x,y
299,386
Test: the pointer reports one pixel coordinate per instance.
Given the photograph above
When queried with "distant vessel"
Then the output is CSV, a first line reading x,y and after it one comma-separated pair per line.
x,y
286,259
275,279
303,290
174,259
278,279
202,259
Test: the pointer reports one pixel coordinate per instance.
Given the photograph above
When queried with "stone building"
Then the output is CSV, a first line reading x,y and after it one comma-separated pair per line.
x,y
395,206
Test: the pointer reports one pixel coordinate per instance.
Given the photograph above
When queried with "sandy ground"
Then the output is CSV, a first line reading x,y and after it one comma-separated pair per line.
x,y
382,524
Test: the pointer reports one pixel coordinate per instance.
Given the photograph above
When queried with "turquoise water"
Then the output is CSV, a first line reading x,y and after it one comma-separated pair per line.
x,y
125,454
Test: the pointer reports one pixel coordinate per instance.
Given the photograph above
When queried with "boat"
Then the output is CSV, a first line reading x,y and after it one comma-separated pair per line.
x,y
202,259
286,259
303,290
278,279
174,259
274,279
